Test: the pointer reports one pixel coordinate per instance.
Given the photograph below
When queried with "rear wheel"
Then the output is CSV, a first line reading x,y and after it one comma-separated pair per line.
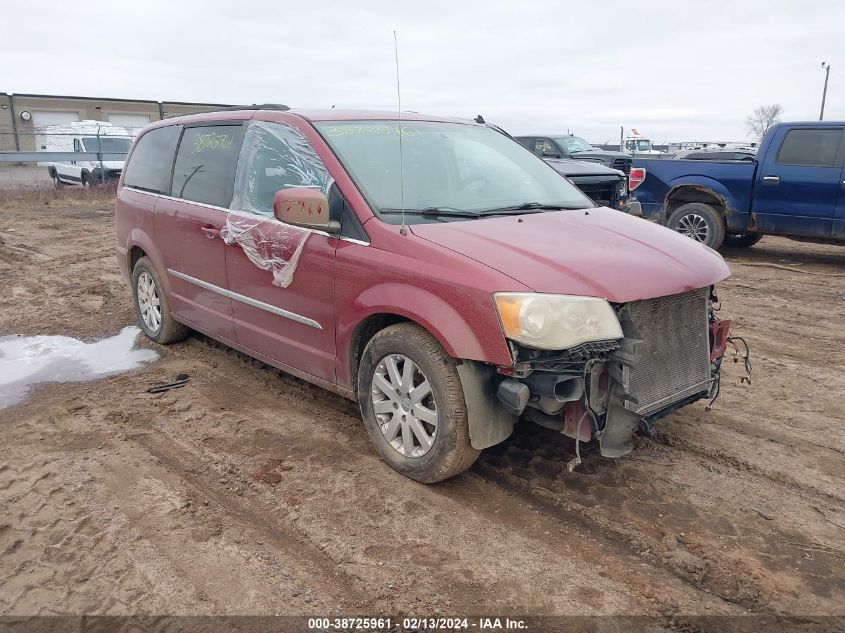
x,y
700,222
413,404
742,240
151,306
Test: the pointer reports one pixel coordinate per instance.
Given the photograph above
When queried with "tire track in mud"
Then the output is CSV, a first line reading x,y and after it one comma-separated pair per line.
x,y
775,437
194,472
733,572
736,462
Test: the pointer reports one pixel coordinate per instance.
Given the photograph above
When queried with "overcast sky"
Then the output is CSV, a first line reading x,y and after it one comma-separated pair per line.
x,y
676,70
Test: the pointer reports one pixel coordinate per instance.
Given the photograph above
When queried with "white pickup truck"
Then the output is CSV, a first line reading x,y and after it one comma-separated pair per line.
x,y
87,137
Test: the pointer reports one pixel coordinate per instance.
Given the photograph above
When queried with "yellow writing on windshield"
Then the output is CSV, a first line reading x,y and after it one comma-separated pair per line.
x,y
345,130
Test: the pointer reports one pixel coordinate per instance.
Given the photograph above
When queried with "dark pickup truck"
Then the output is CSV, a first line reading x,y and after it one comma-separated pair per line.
x,y
795,188
574,148
605,186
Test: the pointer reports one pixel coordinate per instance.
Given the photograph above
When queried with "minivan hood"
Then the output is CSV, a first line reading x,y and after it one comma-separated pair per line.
x,y
594,252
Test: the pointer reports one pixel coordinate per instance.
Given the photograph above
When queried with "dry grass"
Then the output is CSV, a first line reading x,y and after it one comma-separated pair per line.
x,y
30,196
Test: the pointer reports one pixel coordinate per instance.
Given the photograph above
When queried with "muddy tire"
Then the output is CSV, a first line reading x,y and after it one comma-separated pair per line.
x,y
741,240
413,404
700,222
151,306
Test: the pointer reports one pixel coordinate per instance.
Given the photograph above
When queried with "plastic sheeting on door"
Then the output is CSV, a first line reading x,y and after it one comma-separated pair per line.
x,y
274,156
269,244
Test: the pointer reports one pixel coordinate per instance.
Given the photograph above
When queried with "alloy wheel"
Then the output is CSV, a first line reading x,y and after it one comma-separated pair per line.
x,y
694,226
404,406
149,302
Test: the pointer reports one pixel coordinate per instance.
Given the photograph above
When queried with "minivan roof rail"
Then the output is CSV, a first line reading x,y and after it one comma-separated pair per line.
x,y
256,106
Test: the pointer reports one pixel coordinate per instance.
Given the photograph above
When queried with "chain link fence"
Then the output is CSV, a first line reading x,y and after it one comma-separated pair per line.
x,y
59,155
27,177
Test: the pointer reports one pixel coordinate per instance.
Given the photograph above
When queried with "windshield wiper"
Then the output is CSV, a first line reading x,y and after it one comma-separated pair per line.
x,y
525,207
530,206
434,212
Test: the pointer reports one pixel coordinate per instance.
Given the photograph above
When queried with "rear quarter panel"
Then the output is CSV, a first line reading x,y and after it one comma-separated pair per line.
x,y
731,181
134,219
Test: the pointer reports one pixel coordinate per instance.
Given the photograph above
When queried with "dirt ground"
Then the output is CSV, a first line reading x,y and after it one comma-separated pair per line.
x,y
251,492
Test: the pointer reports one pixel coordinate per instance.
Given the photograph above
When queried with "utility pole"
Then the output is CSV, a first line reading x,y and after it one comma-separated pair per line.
x,y
824,92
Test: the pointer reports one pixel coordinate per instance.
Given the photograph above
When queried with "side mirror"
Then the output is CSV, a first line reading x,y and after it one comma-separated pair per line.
x,y
305,207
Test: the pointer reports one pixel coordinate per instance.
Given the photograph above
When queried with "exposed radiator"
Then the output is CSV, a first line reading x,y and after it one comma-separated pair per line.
x,y
673,359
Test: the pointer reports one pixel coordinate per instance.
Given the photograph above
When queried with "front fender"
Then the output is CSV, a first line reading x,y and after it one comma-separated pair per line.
x,y
478,337
446,324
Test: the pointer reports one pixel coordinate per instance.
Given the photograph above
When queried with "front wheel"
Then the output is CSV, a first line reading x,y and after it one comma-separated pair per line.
x,y
413,404
700,222
742,240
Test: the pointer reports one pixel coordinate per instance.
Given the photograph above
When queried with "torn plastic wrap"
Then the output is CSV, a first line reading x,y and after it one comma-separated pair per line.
x,y
275,156
269,244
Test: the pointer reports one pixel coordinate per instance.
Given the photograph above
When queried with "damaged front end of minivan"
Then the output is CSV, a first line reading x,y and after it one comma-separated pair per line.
x,y
669,355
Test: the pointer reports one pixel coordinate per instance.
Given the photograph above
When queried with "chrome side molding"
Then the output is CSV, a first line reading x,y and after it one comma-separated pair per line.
x,y
255,303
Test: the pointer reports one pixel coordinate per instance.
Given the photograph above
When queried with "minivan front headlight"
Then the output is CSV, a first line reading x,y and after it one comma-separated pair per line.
x,y
555,321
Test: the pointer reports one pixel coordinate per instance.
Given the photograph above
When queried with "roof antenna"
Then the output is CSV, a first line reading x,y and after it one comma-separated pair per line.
x,y
403,230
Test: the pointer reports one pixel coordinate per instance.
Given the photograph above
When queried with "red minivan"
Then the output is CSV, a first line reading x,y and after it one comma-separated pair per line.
x,y
432,269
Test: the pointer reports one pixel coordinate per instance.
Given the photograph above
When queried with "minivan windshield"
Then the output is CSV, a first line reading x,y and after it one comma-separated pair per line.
x,y
106,144
574,144
452,171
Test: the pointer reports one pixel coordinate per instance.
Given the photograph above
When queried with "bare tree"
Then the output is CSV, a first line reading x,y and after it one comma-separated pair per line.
x,y
763,118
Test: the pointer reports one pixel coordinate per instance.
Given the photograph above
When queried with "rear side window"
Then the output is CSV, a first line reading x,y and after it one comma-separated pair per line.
x,y
816,148
151,161
206,162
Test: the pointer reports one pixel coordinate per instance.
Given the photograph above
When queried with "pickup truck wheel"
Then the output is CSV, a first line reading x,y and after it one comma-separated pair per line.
x,y
413,404
151,306
742,240
700,222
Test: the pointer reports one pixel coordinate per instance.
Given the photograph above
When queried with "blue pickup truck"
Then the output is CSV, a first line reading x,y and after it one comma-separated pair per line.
x,y
795,188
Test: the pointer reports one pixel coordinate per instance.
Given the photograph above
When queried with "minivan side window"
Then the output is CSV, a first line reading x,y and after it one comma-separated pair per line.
x,y
275,156
814,148
206,162
152,160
